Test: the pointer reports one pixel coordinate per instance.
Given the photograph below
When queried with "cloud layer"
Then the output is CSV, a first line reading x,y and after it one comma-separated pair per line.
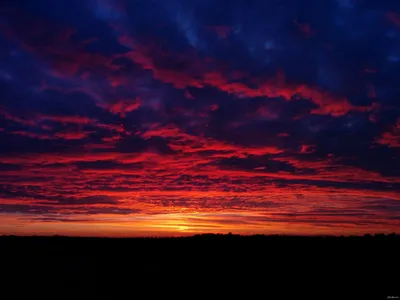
x,y
175,117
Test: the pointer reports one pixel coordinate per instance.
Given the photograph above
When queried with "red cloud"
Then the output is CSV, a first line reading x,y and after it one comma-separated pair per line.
x,y
188,95
214,107
158,184
112,127
196,75
266,112
125,106
392,137
120,108
284,134
16,119
41,136
328,104
80,120
71,135
307,149
178,79
65,56
116,80
185,143
112,139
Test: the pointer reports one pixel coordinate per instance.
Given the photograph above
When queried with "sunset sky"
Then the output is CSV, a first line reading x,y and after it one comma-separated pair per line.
x,y
176,117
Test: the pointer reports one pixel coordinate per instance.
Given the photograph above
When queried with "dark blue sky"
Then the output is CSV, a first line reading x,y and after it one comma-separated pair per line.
x,y
247,116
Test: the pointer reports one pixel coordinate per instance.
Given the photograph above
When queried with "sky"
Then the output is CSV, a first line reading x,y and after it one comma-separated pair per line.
x,y
177,117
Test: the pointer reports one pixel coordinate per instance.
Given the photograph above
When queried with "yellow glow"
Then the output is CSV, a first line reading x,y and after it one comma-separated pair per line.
x,y
175,224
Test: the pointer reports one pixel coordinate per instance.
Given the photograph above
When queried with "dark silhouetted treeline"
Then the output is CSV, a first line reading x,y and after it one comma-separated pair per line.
x,y
353,267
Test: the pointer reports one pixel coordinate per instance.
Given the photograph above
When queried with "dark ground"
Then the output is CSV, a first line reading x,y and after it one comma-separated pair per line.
x,y
276,266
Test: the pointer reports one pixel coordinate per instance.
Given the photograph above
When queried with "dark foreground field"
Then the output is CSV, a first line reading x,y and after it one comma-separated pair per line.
x,y
352,268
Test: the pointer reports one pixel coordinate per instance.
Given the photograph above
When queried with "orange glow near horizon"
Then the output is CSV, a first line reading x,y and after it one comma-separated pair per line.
x,y
175,224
